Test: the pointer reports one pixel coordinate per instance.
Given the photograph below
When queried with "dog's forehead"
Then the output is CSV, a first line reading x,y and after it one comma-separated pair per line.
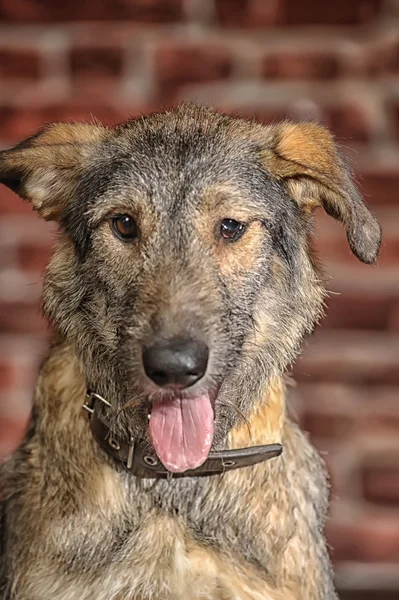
x,y
178,152
181,165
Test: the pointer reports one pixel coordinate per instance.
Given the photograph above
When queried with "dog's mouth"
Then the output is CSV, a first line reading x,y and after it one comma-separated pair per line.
x,y
181,429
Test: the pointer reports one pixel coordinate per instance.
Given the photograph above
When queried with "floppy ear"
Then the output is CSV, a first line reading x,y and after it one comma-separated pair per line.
x,y
305,158
46,167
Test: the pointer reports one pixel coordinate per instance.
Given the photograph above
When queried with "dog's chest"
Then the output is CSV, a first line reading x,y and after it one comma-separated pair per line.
x,y
171,545
215,539
106,535
161,561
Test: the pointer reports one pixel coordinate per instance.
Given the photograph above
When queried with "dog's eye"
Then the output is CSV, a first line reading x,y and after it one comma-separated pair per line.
x,y
231,230
125,227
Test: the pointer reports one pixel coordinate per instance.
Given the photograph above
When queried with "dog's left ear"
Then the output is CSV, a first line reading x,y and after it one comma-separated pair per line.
x,y
46,167
304,156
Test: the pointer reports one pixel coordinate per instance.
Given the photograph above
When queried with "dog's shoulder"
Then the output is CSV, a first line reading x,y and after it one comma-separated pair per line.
x,y
308,486
306,467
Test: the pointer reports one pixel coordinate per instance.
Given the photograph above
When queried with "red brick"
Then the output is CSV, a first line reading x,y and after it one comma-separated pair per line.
x,y
381,484
344,541
396,118
16,62
380,187
331,244
7,375
355,356
258,13
25,352
33,257
323,424
17,389
384,58
18,123
378,285
350,122
301,65
393,318
339,12
96,61
25,230
11,434
372,405
18,317
364,587
369,540
82,112
382,418
390,250
10,203
329,410
157,11
357,311
247,13
176,65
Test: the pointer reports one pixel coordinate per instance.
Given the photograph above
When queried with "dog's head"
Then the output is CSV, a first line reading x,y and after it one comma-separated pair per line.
x,y
184,274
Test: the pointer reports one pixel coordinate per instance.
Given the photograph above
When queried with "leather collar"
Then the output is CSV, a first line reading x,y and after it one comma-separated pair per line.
x,y
141,461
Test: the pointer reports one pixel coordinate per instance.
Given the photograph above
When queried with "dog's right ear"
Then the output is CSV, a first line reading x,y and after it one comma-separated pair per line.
x,y
46,167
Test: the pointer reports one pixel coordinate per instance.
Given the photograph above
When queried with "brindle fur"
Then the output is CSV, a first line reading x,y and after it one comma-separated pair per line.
x,y
74,525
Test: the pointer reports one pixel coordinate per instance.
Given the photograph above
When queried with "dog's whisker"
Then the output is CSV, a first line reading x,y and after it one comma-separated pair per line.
x,y
129,404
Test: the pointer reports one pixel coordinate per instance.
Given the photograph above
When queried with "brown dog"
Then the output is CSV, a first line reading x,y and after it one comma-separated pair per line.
x,y
180,290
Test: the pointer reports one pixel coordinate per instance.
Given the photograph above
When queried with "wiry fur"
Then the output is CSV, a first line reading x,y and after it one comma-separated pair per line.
x,y
74,525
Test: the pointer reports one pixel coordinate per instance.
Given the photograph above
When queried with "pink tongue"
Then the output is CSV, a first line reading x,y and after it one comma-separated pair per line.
x,y
181,432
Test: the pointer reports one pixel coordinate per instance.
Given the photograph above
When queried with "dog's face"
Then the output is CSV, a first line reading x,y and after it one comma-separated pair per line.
x,y
184,274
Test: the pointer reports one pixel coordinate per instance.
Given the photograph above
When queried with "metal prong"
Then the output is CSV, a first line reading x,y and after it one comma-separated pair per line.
x,y
100,398
130,454
89,409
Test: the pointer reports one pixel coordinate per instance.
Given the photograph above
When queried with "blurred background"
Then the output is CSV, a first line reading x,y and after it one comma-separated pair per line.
x,y
336,62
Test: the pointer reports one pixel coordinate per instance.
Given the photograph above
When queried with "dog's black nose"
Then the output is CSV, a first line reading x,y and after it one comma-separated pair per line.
x,y
176,362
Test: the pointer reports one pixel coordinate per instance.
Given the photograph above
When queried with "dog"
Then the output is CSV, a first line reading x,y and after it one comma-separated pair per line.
x,y
160,462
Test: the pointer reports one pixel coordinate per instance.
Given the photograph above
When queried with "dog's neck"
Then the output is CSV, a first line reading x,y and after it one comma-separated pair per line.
x,y
265,422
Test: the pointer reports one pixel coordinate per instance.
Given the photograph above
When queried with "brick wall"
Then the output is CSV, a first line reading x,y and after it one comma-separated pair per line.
x,y
333,61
